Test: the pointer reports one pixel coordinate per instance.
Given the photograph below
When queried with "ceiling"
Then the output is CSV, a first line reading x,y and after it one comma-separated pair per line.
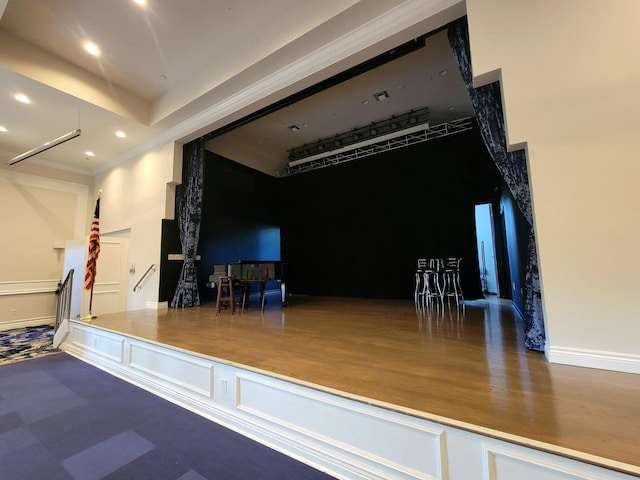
x,y
165,62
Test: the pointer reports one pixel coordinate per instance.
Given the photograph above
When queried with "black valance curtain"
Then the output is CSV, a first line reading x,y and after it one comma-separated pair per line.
x,y
189,216
487,103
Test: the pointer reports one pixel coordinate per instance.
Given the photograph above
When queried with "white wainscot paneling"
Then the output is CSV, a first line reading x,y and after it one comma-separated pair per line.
x,y
389,444
188,373
98,342
347,438
27,303
512,462
104,300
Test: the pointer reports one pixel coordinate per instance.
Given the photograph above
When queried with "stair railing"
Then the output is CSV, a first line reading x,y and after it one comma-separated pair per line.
x,y
63,299
151,267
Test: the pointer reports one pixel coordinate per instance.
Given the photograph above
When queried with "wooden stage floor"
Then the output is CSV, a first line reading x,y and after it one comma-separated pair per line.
x,y
464,368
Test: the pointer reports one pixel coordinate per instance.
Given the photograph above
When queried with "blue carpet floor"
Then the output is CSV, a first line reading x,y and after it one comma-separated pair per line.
x,y
61,418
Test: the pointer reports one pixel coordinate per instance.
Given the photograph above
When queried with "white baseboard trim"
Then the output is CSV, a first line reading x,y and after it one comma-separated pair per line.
x,y
620,362
27,322
156,305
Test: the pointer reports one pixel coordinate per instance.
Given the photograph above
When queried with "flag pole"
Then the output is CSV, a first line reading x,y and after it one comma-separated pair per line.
x,y
91,303
94,251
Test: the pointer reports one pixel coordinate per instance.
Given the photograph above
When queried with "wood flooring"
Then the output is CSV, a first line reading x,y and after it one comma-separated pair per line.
x,y
464,367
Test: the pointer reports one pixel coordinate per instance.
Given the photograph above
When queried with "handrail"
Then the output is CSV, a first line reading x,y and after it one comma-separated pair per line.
x,y
63,300
151,267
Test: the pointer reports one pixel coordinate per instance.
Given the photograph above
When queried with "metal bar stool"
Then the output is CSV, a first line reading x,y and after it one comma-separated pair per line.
x,y
431,288
419,286
451,280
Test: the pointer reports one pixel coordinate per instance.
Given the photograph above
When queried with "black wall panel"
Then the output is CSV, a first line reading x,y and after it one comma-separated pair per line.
x,y
351,230
356,229
239,217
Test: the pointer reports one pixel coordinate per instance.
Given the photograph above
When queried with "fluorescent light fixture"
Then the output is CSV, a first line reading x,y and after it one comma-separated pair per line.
x,y
3,129
46,146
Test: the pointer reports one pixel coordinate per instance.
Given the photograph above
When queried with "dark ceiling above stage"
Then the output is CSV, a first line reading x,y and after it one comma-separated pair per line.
x,y
425,77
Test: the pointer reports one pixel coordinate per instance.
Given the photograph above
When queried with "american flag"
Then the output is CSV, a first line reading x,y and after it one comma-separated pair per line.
x,y
94,248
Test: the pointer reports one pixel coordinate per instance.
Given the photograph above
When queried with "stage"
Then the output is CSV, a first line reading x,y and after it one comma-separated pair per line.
x,y
464,368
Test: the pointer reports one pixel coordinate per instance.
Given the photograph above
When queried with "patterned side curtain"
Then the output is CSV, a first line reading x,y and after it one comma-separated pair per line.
x,y
487,103
189,213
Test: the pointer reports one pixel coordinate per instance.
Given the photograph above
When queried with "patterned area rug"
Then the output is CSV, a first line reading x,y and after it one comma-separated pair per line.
x,y
26,343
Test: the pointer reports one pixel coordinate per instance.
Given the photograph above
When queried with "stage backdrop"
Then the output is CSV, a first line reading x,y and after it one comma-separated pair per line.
x,y
356,229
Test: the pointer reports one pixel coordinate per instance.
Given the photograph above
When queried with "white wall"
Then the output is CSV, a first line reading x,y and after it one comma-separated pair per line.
x,y
134,201
38,216
570,76
41,216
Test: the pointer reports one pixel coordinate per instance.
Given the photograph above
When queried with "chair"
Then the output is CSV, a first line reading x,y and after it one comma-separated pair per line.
x,y
451,279
226,277
420,268
237,272
225,294
431,287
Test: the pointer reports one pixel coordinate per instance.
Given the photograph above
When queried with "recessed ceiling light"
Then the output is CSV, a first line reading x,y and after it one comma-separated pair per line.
x,y
2,129
140,2
90,154
121,134
92,48
22,98
443,72
293,128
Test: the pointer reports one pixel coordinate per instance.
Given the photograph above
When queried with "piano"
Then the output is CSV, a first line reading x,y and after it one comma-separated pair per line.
x,y
247,272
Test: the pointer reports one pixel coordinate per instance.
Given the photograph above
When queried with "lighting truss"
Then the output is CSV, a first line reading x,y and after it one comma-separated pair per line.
x,y
367,133
421,135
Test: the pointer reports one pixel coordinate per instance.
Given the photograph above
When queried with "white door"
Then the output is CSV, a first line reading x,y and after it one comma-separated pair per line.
x,y
110,287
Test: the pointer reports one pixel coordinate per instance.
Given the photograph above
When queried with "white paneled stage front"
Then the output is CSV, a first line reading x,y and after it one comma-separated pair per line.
x,y
346,435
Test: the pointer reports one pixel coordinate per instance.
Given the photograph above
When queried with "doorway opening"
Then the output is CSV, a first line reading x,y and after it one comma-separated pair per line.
x,y
486,238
